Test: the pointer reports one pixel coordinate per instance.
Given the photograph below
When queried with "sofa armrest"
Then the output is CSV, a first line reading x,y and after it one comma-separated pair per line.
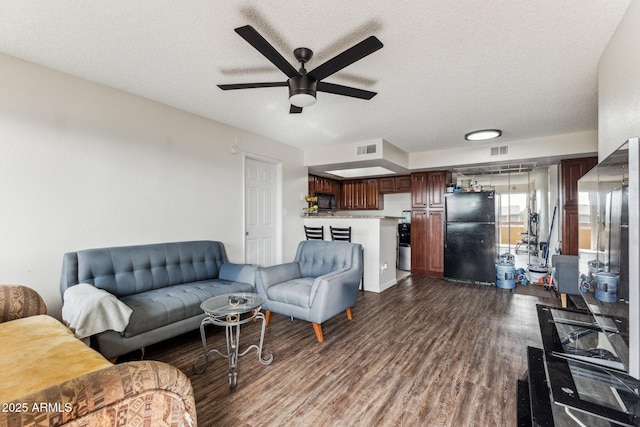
x,y
17,301
140,393
243,273
344,278
269,276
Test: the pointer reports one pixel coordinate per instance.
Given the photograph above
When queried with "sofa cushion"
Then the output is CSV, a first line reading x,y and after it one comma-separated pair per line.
x,y
160,307
319,257
128,270
27,342
237,272
294,291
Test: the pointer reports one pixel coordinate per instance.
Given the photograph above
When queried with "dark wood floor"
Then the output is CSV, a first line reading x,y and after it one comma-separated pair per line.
x,y
425,352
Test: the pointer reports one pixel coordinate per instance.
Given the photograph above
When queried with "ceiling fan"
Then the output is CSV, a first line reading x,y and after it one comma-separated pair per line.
x,y
303,85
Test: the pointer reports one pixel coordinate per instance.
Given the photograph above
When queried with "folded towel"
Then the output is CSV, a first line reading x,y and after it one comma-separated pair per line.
x,y
88,310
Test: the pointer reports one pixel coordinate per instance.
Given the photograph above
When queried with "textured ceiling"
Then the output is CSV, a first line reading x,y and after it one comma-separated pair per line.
x,y
447,67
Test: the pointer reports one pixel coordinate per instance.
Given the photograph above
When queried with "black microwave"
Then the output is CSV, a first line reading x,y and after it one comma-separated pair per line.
x,y
326,201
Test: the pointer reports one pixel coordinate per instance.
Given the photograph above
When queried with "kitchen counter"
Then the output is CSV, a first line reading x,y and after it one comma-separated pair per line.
x,y
352,216
377,235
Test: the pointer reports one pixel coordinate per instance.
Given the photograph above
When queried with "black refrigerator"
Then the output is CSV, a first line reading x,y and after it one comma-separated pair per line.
x,y
470,237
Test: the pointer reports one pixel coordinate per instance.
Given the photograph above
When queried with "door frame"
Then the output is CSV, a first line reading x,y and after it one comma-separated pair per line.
x,y
278,203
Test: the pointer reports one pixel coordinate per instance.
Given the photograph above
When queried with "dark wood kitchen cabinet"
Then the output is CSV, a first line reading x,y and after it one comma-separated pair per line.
x,y
427,222
360,194
318,184
419,190
571,170
419,242
435,253
372,198
395,184
353,194
403,184
427,243
387,185
436,186
346,195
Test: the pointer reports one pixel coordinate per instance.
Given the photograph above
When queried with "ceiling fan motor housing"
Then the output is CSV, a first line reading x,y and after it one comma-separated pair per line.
x,y
302,85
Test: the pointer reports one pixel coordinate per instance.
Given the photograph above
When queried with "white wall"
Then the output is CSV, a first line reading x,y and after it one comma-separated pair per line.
x,y
83,165
619,120
571,144
619,85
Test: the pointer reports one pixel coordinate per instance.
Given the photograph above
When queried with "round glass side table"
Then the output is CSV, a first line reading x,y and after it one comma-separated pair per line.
x,y
231,311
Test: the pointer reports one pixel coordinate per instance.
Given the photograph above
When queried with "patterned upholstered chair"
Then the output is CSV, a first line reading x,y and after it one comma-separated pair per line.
x,y
321,282
18,301
44,364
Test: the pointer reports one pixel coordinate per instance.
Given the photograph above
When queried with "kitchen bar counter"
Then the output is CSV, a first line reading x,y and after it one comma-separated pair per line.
x,y
352,216
377,235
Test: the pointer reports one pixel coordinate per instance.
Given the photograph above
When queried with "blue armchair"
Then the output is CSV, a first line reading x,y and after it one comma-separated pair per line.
x,y
322,281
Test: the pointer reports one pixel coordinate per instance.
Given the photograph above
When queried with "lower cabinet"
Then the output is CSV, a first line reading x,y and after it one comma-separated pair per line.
x,y
435,252
419,242
427,243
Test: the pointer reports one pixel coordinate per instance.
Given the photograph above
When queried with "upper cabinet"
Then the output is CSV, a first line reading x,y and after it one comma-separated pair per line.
x,y
419,190
395,184
318,184
403,184
360,194
428,188
373,198
436,186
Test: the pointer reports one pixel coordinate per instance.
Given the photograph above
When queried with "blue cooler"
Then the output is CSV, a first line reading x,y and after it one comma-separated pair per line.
x,y
607,287
505,276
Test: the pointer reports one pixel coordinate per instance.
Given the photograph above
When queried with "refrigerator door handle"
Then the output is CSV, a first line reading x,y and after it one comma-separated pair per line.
x,y
444,233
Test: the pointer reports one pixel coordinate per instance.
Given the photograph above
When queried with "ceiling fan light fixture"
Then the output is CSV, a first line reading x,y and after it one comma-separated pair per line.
x,y
302,91
302,100
483,135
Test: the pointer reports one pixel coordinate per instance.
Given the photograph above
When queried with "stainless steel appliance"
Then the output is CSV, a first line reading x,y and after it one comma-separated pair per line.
x,y
404,246
617,218
470,237
326,202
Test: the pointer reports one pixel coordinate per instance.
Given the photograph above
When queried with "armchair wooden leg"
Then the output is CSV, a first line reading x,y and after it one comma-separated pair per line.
x,y
349,314
563,300
317,328
267,317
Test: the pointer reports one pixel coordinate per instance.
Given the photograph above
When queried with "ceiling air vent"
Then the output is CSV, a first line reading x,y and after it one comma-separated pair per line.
x,y
366,149
502,150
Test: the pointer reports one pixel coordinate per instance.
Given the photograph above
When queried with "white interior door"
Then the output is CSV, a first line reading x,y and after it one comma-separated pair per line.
x,y
261,183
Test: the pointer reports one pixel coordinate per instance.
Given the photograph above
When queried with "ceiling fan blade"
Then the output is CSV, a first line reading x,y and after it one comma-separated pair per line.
x,y
348,57
295,110
264,47
252,85
345,90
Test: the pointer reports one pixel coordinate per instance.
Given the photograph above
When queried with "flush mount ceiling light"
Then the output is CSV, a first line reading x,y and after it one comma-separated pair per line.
x,y
360,172
483,135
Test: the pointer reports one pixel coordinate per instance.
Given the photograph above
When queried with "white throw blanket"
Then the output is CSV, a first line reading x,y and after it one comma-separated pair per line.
x,y
88,310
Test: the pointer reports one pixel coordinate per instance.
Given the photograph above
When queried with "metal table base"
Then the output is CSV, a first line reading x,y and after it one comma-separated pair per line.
x,y
232,324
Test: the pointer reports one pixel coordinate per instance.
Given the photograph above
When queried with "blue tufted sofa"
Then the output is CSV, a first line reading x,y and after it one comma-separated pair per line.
x,y
164,284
